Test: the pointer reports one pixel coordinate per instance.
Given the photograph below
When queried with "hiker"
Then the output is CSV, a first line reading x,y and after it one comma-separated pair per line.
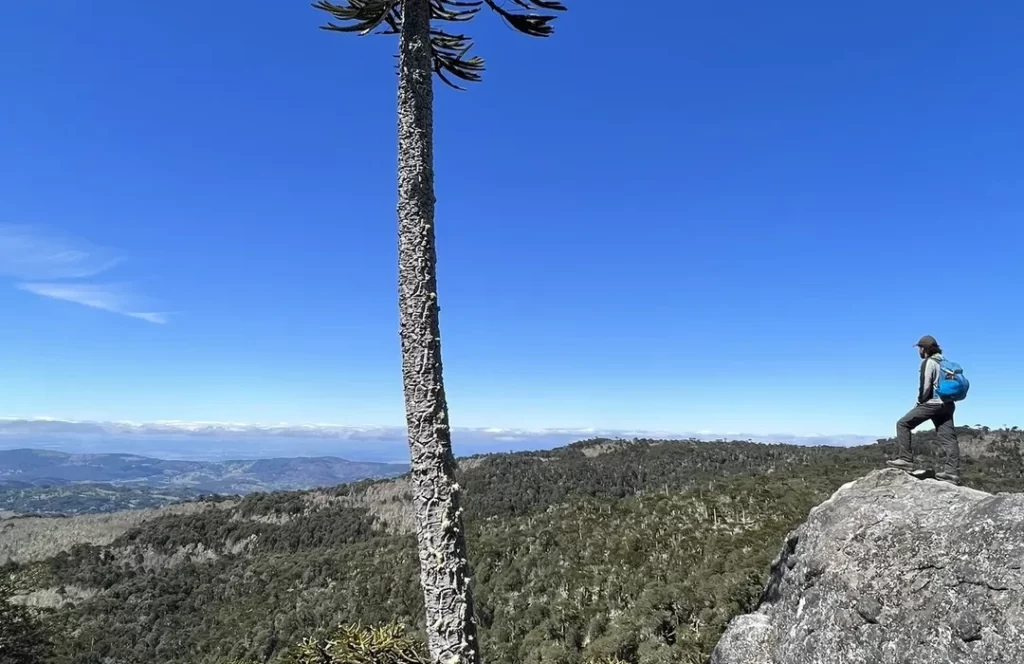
x,y
929,407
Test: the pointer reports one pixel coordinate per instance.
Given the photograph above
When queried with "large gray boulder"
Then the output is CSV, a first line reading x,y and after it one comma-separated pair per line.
x,y
893,570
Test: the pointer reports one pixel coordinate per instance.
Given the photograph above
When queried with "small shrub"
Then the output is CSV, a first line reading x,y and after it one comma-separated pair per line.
x,y
355,644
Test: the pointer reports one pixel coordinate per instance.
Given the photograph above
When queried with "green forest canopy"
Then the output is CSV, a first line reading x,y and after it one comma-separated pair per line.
x,y
640,551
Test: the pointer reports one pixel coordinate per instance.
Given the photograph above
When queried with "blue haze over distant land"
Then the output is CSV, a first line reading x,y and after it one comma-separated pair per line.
x,y
221,442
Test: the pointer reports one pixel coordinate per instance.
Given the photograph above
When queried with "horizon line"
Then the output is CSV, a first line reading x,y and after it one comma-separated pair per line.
x,y
202,428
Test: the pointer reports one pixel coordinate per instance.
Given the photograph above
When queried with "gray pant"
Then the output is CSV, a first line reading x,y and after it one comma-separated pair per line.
x,y
941,415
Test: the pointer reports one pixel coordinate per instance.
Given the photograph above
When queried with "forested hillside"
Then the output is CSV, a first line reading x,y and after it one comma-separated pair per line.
x,y
640,550
69,499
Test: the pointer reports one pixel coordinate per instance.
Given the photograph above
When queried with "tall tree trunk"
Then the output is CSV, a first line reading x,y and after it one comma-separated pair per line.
x,y
451,628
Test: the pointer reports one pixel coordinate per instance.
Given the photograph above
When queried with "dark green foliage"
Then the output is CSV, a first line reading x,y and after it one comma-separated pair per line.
x,y
222,528
640,551
658,574
513,484
22,637
450,48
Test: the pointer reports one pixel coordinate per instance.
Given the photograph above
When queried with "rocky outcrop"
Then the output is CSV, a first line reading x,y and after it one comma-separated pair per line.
x,y
893,570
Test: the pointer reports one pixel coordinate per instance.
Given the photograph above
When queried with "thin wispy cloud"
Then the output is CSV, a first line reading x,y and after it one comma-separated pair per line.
x,y
116,298
54,266
30,253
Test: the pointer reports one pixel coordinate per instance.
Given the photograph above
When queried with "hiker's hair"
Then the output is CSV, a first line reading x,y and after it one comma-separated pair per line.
x,y
933,349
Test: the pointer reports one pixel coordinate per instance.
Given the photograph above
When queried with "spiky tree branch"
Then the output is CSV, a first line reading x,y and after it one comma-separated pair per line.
x,y
450,56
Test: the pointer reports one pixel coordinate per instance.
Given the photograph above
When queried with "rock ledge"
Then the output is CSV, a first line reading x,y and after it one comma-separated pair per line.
x,y
893,570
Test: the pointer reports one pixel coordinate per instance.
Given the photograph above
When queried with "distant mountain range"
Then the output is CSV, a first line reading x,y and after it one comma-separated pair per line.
x,y
27,468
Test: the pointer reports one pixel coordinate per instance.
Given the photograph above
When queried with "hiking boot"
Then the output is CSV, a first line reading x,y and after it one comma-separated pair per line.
x,y
902,464
951,478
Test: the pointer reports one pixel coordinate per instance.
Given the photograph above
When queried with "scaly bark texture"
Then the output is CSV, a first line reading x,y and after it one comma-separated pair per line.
x,y
451,628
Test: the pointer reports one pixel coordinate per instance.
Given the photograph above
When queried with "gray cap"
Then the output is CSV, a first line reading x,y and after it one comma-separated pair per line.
x,y
927,341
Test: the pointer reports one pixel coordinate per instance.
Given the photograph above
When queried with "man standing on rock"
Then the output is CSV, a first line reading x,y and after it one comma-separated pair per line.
x,y
929,407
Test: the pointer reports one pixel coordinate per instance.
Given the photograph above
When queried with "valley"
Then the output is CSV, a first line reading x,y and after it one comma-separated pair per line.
x,y
640,550
41,481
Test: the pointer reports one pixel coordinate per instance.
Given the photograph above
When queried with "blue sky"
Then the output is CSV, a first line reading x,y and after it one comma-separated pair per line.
x,y
726,216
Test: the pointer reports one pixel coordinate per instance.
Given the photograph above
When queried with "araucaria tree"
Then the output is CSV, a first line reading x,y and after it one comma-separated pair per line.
x,y
429,44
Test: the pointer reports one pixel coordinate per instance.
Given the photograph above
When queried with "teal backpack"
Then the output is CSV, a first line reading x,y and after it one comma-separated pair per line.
x,y
953,385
